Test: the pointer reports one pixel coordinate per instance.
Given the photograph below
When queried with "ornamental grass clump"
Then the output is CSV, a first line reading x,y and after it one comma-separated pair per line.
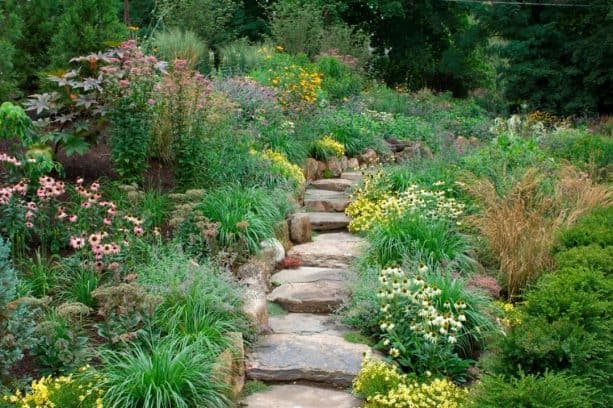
x,y
281,166
382,386
521,225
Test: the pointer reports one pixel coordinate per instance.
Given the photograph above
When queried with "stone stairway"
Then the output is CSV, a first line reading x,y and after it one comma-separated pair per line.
x,y
305,357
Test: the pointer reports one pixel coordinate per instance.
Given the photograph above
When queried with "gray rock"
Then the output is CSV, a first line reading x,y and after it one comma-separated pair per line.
x,y
368,157
331,250
301,396
414,151
353,164
311,169
306,324
322,296
334,166
323,200
352,175
307,274
300,228
256,272
333,184
255,307
319,358
326,221
273,249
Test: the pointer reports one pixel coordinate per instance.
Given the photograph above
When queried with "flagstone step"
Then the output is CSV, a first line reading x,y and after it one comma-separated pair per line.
x,y
333,184
323,296
301,396
306,324
306,274
329,250
355,176
326,201
328,221
319,358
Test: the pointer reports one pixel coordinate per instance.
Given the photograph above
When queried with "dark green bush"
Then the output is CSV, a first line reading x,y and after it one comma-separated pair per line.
x,y
589,256
580,147
594,228
552,390
339,81
565,326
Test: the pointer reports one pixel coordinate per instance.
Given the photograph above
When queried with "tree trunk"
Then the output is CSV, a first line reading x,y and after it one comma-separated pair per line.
x,y
126,12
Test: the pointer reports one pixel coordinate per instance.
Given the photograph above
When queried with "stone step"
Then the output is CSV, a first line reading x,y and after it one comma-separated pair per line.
x,y
324,200
301,396
319,358
329,250
328,221
306,324
354,176
333,184
306,274
322,296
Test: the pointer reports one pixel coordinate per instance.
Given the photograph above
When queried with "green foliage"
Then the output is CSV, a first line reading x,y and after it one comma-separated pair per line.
x,y
176,43
10,31
17,318
558,57
168,372
130,132
239,57
406,236
588,256
339,81
297,26
253,387
84,26
594,228
211,20
62,344
358,338
275,310
551,390
362,309
246,216
40,274
565,327
14,122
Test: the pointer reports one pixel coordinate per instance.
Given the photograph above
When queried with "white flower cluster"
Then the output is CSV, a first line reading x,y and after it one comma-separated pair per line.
x,y
412,302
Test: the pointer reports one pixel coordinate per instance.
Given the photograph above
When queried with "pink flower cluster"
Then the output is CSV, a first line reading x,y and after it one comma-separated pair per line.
x,y
5,158
7,192
49,188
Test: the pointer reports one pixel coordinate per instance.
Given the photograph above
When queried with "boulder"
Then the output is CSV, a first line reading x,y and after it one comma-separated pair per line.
x,y
229,367
255,307
332,184
415,151
330,250
311,169
273,249
353,164
334,166
368,157
301,396
256,272
321,296
300,228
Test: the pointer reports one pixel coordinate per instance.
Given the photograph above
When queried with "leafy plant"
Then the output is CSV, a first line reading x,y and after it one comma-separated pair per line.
x,y
549,390
246,216
165,372
176,43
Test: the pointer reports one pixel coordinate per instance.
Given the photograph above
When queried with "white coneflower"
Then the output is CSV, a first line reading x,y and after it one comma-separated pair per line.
x,y
394,352
462,317
452,339
422,268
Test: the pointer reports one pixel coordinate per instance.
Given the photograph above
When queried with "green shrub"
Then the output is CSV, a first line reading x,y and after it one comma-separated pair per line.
x,y
589,256
594,228
362,309
168,372
580,147
17,319
435,243
246,216
551,390
298,26
565,327
178,44
338,80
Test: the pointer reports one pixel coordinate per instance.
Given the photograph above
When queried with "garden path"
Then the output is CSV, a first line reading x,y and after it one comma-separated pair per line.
x,y
306,357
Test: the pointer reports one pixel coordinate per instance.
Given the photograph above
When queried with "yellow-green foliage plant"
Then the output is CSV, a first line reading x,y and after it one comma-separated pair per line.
x,y
382,386
281,166
66,391
326,148
373,203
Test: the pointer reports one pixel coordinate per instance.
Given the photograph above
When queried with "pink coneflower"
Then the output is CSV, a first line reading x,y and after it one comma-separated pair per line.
x,y
115,248
107,249
73,218
29,224
79,180
107,221
111,211
86,204
138,230
29,215
94,186
94,240
76,242
31,206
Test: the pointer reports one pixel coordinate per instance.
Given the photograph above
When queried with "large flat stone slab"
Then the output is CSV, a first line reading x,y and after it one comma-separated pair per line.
x,y
333,184
307,274
306,324
322,296
352,176
301,396
330,250
324,200
318,358
328,221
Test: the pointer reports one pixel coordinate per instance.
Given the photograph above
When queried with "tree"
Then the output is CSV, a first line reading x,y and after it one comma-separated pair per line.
x,y
10,31
559,58
85,26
